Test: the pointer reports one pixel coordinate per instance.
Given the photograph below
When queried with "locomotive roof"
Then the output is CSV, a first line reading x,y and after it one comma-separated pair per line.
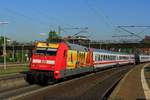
x,y
83,48
77,47
110,52
101,50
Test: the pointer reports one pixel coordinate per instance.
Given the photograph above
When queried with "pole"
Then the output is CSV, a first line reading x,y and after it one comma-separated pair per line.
x,y
4,52
4,45
13,53
59,30
89,45
22,53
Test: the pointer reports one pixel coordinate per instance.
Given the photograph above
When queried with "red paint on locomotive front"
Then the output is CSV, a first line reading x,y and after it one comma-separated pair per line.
x,y
40,62
54,63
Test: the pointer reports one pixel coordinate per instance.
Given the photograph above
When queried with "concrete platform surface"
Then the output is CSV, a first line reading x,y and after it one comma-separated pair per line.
x,y
135,85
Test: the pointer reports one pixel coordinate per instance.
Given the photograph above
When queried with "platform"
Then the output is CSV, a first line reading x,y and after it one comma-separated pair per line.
x,y
135,85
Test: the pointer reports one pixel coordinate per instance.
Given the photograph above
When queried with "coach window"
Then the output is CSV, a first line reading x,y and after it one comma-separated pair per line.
x,y
99,57
113,57
95,57
104,57
109,57
120,57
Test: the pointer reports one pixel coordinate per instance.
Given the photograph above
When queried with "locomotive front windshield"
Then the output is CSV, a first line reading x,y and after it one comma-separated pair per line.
x,y
51,52
45,51
39,51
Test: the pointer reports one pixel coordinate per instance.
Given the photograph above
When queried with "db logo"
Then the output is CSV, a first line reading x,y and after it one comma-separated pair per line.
x,y
43,61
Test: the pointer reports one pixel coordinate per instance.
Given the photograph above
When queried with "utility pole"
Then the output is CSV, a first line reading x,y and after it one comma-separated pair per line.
x,y
13,56
73,28
59,30
4,52
22,54
4,45
89,45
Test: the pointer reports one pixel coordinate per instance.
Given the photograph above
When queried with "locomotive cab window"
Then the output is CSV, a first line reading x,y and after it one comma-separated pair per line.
x,y
51,52
45,51
40,51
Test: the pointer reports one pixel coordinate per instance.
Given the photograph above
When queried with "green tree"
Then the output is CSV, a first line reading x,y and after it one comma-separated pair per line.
x,y
1,40
53,37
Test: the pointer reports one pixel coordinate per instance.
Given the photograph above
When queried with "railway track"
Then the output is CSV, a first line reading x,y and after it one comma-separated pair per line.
x,y
8,77
17,91
94,86
11,82
116,77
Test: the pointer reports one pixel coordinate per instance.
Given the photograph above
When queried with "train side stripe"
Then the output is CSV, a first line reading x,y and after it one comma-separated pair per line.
x,y
108,62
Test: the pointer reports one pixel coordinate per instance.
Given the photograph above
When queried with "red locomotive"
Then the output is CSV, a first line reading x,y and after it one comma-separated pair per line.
x,y
58,60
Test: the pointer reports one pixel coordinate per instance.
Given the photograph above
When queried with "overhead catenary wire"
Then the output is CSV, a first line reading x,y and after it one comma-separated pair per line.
x,y
25,16
44,13
99,13
123,27
143,30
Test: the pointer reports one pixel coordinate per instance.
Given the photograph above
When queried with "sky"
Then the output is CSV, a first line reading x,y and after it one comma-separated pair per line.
x,y
28,19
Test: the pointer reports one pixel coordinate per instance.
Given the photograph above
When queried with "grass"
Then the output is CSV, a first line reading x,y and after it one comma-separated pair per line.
x,y
13,70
